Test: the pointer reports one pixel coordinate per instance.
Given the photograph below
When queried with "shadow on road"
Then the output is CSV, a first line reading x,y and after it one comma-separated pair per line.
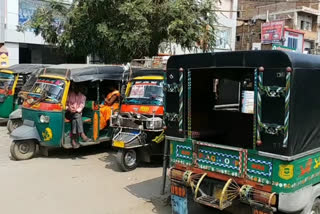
x,y
111,161
75,154
150,191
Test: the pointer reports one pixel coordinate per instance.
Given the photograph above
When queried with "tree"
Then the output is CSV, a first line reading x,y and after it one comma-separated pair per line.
x,y
120,30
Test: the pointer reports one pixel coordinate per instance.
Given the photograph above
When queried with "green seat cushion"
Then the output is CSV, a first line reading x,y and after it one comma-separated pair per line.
x,y
86,119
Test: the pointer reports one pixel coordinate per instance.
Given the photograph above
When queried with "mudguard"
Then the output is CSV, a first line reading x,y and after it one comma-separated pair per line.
x,y
25,132
16,114
296,201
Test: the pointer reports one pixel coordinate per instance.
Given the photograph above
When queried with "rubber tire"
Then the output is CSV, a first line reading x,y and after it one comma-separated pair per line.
x,y
17,155
13,124
316,205
121,162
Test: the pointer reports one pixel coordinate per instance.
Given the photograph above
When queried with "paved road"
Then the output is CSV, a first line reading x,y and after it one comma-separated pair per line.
x,y
83,181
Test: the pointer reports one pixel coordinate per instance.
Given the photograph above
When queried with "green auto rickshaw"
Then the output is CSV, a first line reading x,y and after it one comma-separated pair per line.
x,y
44,109
13,81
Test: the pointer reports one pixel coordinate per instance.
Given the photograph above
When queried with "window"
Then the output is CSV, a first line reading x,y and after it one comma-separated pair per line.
x,y
223,39
238,38
292,43
238,14
305,25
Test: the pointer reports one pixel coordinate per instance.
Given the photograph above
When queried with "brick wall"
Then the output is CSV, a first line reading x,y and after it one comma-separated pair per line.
x,y
247,33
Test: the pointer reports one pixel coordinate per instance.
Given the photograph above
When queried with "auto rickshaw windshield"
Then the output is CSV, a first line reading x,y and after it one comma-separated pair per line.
x,y
145,93
6,80
51,88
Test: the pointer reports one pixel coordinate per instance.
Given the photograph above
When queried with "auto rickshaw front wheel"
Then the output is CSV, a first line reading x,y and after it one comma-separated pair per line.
x,y
23,150
316,207
127,159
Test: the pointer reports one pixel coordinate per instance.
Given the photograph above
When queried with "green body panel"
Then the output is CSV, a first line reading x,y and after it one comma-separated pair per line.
x,y
50,133
258,168
291,176
88,113
181,153
87,126
7,106
216,160
284,176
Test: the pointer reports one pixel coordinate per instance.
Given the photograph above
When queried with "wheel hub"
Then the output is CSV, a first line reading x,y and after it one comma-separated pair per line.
x,y
24,148
130,158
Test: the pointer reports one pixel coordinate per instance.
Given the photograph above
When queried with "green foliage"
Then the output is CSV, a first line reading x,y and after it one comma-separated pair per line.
x,y
119,30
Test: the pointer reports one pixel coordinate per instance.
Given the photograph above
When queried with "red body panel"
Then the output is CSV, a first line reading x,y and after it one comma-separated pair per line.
x,y
143,109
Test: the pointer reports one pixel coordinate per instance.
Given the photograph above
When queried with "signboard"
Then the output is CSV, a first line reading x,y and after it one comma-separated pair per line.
x,y
282,48
271,32
247,102
4,57
27,8
294,39
256,46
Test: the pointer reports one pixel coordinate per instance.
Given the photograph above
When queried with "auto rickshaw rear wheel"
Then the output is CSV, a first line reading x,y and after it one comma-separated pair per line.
x,y
13,124
23,150
127,159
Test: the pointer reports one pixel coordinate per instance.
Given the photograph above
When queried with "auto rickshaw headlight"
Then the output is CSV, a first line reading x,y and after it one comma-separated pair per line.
x,y
154,123
44,119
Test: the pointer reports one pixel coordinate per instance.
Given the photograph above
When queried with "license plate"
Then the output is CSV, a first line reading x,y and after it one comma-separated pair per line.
x,y
119,144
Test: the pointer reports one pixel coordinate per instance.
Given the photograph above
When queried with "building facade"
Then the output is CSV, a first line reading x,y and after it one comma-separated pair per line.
x,y
24,47
225,30
299,16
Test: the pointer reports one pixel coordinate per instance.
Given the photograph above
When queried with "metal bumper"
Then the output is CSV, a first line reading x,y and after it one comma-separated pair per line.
x,y
128,140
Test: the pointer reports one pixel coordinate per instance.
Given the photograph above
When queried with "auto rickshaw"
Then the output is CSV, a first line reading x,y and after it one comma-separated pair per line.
x,y
243,129
138,125
13,81
44,109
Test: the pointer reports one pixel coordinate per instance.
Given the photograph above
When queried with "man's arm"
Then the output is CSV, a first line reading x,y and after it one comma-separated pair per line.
x,y
82,103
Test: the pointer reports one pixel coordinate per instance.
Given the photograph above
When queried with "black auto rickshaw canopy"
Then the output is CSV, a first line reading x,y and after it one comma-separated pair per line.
x,y
147,72
25,69
286,83
27,74
246,59
88,72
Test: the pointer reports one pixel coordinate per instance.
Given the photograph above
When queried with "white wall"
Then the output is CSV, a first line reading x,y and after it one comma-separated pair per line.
x,y
227,20
2,20
11,33
13,50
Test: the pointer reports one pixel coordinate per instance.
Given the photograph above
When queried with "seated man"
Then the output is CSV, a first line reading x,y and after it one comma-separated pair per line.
x,y
75,104
110,102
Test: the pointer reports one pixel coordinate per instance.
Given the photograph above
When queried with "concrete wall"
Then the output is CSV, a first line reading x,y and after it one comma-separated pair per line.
x,y
248,33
